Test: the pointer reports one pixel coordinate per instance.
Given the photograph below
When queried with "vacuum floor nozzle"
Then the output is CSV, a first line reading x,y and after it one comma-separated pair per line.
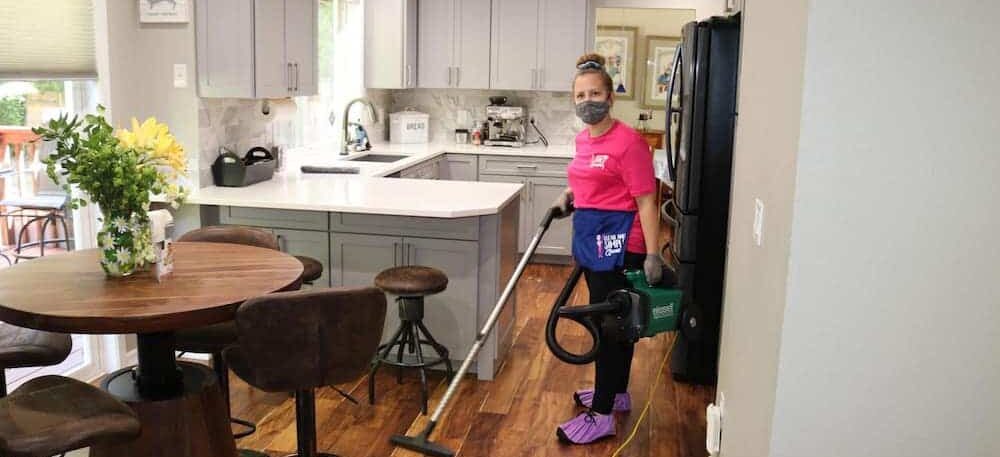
x,y
421,444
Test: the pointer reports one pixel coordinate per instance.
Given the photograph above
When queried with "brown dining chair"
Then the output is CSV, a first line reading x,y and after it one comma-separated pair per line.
x,y
51,415
213,339
334,332
25,347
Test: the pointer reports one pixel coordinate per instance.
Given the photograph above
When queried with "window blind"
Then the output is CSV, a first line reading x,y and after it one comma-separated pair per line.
x,y
47,39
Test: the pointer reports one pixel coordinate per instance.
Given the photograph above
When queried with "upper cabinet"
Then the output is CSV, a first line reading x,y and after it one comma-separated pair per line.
x,y
535,43
390,44
562,33
257,48
454,44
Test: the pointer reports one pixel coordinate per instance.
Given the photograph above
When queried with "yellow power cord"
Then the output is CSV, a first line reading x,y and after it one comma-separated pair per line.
x,y
649,399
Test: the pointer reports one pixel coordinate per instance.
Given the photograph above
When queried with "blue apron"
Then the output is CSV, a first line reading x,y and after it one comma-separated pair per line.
x,y
600,238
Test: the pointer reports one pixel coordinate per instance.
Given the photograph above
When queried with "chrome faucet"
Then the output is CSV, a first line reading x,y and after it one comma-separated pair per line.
x,y
345,123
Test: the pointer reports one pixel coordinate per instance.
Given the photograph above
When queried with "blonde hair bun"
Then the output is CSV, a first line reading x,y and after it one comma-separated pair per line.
x,y
592,57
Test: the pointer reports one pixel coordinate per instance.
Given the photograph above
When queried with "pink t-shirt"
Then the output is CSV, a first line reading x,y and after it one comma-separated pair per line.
x,y
610,171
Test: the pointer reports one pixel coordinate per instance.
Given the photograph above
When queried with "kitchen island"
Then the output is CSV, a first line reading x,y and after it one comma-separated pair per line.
x,y
359,224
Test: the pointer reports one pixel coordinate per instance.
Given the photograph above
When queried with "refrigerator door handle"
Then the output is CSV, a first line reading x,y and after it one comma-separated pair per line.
x,y
674,71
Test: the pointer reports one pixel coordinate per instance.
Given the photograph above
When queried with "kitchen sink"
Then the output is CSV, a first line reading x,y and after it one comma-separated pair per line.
x,y
378,158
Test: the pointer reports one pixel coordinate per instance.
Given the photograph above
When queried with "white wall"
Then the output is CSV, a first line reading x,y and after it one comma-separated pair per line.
x,y
767,135
891,331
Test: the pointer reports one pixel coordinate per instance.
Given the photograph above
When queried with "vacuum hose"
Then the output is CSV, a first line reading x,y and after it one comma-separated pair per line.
x,y
589,316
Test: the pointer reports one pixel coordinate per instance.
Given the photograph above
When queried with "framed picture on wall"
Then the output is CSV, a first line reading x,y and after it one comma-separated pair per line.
x,y
617,45
660,52
151,11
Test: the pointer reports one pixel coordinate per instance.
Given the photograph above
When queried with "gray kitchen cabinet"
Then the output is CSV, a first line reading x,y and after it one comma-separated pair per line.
x,y
514,44
425,170
459,167
536,198
523,227
535,43
390,44
558,240
302,45
451,314
563,38
224,41
355,258
454,43
257,48
435,44
310,244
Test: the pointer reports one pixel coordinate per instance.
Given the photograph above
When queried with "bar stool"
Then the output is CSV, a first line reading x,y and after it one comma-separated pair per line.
x,y
51,415
334,333
213,339
311,269
23,347
410,284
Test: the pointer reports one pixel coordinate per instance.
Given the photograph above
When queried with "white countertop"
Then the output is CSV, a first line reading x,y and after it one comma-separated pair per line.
x,y
370,192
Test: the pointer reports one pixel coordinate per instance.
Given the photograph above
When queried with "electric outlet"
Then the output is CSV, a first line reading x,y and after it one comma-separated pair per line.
x,y
713,429
180,75
758,222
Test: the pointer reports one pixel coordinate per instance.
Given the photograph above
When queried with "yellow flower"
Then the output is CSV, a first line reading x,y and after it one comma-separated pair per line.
x,y
155,139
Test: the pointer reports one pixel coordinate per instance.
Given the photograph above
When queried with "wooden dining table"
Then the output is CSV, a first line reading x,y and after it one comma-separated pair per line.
x,y
180,404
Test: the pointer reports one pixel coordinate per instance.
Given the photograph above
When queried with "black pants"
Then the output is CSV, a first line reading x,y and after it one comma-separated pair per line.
x,y
614,357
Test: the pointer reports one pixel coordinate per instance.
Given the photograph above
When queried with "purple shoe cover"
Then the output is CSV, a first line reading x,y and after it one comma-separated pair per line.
x,y
585,398
586,428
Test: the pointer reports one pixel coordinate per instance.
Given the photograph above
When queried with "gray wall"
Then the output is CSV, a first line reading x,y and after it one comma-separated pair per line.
x,y
892,323
767,136
141,61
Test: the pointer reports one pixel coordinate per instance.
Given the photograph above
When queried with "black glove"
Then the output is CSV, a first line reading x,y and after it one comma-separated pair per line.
x,y
563,204
653,268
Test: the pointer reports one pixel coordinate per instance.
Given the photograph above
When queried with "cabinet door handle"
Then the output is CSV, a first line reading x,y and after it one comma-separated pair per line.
x,y
526,167
534,77
449,75
295,65
395,254
281,243
288,77
541,78
458,76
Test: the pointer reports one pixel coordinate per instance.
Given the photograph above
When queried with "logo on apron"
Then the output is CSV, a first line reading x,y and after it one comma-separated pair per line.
x,y
599,238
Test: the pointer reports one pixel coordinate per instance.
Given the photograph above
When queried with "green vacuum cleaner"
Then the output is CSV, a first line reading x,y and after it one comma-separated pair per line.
x,y
640,311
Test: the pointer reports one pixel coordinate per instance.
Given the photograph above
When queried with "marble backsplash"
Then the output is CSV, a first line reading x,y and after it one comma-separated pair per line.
x,y
238,125
553,111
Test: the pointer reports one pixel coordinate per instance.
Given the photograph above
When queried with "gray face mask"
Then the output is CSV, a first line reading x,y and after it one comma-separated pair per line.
x,y
591,112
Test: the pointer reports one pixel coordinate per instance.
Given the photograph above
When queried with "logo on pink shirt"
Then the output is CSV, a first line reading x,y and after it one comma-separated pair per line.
x,y
598,161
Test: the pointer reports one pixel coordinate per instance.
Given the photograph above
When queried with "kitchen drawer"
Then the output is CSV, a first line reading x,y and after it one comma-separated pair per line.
x,y
276,218
424,170
463,228
523,166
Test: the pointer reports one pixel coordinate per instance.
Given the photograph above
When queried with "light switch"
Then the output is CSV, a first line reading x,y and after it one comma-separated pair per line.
x,y
180,75
758,222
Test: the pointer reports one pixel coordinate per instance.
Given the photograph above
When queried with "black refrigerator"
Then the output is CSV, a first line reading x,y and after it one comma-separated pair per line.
x,y
700,157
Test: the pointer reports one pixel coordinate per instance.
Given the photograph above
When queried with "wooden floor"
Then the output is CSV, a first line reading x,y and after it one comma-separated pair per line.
x,y
515,415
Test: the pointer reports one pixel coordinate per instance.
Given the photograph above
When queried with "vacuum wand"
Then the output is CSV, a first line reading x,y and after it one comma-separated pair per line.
x,y
421,443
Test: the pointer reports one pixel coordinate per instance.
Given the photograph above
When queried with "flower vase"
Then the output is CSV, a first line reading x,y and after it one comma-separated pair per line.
x,y
125,241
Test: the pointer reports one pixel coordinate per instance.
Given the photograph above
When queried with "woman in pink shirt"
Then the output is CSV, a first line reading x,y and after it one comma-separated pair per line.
x,y
615,225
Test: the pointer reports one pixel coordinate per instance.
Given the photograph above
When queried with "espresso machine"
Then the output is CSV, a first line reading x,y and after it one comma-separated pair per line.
x,y
506,125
